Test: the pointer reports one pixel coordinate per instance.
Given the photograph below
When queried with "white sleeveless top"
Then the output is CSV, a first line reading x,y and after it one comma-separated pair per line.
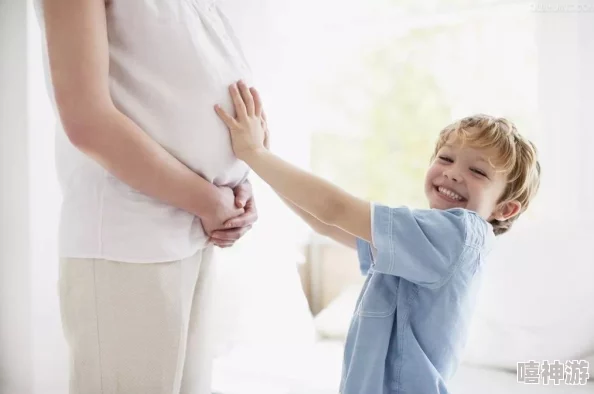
x,y
170,62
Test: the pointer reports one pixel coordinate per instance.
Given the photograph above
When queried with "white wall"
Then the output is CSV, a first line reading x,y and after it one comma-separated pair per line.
x,y
32,349
566,97
15,268
49,350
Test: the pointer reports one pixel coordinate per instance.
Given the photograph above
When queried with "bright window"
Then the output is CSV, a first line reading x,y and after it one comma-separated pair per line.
x,y
412,68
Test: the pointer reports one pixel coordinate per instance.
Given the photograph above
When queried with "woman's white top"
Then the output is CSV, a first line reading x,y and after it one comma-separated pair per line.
x,y
171,61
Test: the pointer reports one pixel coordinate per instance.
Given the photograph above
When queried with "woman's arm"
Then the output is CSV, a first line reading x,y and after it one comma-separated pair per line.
x,y
79,61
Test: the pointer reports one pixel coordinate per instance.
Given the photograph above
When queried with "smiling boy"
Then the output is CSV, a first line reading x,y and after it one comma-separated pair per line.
x,y
423,266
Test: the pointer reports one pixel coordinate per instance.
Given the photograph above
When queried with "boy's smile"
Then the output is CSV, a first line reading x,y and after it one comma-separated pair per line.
x,y
449,195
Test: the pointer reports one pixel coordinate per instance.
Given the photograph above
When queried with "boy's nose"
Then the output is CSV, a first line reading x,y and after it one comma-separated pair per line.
x,y
452,175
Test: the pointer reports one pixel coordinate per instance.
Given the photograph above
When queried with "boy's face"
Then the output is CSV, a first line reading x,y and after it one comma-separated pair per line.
x,y
462,177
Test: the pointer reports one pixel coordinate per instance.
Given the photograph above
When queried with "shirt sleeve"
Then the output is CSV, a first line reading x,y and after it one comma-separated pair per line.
x,y
372,215
364,254
421,246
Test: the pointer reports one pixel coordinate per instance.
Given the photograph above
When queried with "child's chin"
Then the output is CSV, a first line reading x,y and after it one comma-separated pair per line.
x,y
438,203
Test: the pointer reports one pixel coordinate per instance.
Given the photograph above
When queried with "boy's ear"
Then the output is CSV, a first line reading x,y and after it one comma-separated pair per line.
x,y
506,210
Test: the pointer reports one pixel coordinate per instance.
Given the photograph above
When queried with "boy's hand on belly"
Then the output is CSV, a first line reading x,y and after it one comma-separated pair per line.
x,y
247,129
235,227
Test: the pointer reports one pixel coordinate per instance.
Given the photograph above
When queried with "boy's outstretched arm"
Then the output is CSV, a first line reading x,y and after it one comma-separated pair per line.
x,y
328,203
323,200
324,229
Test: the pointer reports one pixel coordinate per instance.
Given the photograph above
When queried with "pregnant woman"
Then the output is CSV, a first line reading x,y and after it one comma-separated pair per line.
x,y
149,180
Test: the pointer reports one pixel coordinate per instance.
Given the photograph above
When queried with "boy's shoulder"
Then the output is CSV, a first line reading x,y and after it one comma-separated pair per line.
x,y
423,246
471,228
478,232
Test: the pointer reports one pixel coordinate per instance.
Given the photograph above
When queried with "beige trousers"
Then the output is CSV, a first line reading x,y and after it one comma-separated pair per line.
x,y
138,328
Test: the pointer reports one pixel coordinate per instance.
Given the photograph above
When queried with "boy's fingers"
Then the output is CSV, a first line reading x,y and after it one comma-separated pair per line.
x,y
266,130
267,139
248,100
228,120
240,108
257,102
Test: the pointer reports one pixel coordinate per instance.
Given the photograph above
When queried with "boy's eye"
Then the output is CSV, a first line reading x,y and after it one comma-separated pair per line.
x,y
445,158
480,172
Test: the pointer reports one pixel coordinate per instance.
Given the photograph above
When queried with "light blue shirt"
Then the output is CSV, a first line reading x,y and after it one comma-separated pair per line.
x,y
411,319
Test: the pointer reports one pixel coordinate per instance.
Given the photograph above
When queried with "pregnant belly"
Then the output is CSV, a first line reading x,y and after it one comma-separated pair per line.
x,y
186,125
205,148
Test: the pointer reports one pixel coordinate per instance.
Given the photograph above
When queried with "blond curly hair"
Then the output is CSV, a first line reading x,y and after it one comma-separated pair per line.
x,y
518,157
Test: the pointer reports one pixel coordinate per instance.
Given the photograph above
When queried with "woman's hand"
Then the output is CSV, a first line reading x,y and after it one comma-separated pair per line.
x,y
224,209
246,129
238,226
